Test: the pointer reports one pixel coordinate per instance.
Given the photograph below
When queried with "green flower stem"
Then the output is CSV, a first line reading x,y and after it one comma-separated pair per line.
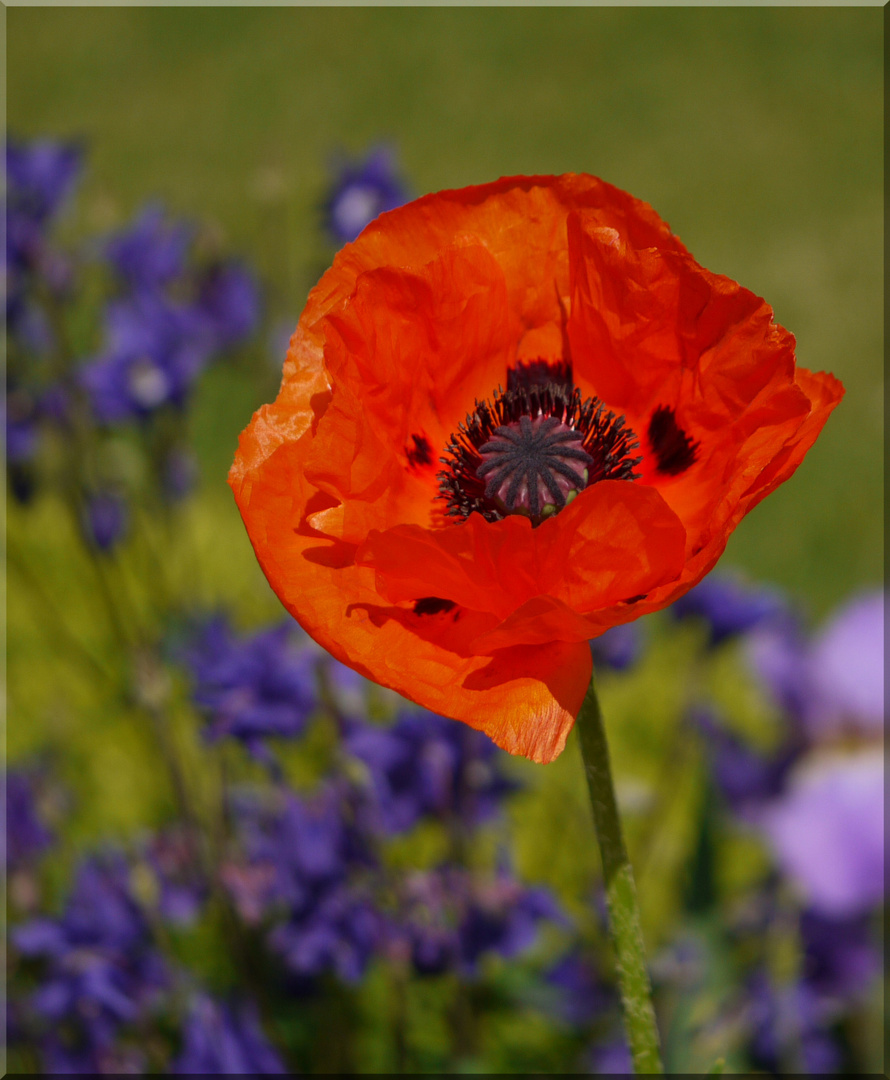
x,y
621,893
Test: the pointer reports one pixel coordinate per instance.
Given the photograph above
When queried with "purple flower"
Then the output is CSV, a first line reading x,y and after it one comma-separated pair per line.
x,y
618,648
27,836
229,301
40,175
152,251
179,474
611,1059
787,1023
729,607
827,830
338,930
580,995
841,957
362,190
226,1040
833,682
300,857
101,968
154,352
428,765
105,519
254,687
21,424
744,776
171,856
450,920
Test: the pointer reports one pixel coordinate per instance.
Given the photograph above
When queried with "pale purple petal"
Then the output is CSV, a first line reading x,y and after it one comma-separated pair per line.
x,y
828,830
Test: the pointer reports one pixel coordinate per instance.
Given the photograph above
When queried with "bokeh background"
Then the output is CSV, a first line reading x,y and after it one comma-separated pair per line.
x,y
756,133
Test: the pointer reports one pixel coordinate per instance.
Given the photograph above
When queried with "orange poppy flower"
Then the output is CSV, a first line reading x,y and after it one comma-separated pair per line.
x,y
512,416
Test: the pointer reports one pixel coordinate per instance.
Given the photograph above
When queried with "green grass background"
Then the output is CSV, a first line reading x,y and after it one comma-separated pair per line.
x,y
756,132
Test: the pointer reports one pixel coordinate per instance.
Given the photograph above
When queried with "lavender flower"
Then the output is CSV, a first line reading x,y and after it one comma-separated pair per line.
x,y
254,687
427,765
729,607
220,1039
362,190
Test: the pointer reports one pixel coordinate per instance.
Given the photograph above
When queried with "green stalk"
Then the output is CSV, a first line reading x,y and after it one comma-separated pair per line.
x,y
621,893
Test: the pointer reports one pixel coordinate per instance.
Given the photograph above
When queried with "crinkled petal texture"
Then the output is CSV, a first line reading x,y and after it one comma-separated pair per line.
x,y
489,622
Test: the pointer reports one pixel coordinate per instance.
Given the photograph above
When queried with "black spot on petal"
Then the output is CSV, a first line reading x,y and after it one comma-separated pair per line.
x,y
673,449
421,453
432,605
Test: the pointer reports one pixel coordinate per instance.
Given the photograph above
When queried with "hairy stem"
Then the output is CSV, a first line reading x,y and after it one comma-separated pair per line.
x,y
621,894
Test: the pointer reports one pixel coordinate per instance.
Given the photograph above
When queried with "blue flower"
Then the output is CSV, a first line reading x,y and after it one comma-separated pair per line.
x,y
788,1022
729,607
101,967
303,854
229,301
105,519
428,765
27,835
40,176
179,474
580,995
151,252
255,687
338,930
221,1039
154,351
363,189
745,776
451,920
619,648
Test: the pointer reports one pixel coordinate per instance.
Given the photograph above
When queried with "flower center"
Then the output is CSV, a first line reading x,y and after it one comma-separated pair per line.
x,y
534,466
532,448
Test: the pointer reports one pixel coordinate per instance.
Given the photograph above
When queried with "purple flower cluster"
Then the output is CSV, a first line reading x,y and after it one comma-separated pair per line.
x,y
818,801
301,858
253,688
101,969
225,1040
449,919
171,318
425,765
40,177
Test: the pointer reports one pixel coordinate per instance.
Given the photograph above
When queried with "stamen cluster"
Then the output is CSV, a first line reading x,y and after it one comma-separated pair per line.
x,y
530,450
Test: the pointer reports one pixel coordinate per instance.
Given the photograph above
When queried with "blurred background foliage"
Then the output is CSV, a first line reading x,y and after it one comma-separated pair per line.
x,y
757,133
